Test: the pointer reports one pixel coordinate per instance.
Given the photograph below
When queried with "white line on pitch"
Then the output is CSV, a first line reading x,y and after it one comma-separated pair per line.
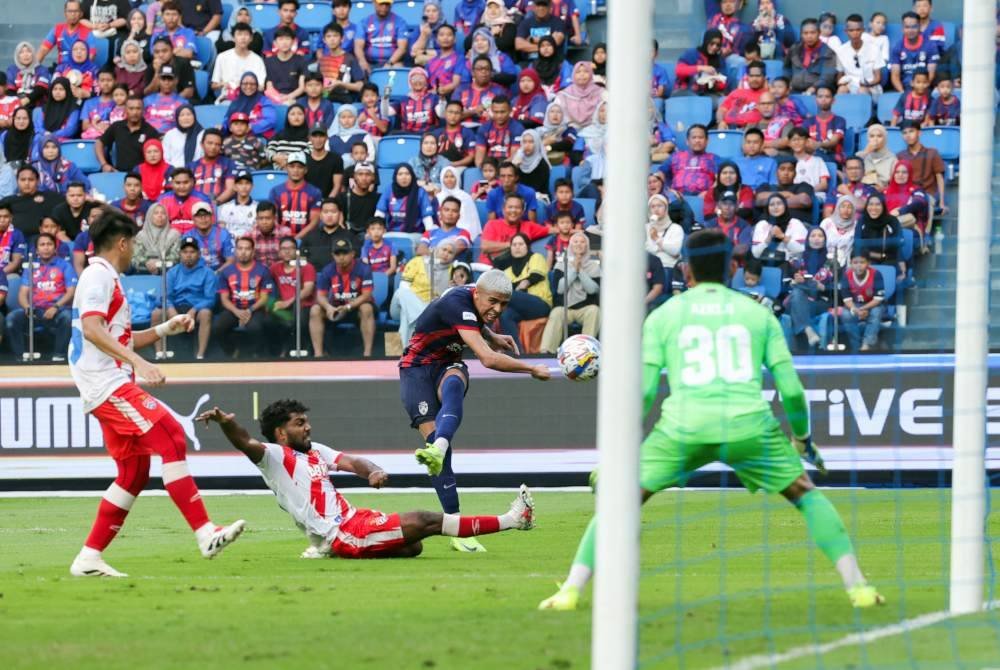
x,y
267,492
871,635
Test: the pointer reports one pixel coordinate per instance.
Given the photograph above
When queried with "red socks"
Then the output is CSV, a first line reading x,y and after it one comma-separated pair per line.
x,y
469,526
133,474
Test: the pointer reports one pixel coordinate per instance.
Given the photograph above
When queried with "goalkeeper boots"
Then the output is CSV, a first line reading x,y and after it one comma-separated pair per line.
x,y
864,596
467,545
431,457
564,600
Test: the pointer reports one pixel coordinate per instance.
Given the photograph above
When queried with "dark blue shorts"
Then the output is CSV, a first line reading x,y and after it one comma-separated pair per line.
x,y
418,388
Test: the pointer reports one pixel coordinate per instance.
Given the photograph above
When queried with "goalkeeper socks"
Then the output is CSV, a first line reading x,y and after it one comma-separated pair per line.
x,y
446,486
449,417
454,525
828,532
583,563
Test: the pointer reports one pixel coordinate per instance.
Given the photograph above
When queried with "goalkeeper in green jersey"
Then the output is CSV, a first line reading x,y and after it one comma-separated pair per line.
x,y
712,342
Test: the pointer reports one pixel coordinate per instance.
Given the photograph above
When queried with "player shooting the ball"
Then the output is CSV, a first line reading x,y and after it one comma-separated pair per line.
x,y
433,379
298,471
712,341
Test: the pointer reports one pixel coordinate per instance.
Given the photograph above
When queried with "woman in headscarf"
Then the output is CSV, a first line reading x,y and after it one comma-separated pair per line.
x,y
811,284
701,71
130,68
451,186
156,240
879,160
530,104
405,206
182,143
55,173
728,178
577,294
60,116
589,152
153,170
501,25
226,41
252,102
908,203
599,57
839,229
878,236
137,31
468,14
483,44
423,37
553,70
79,70
293,137
779,231
423,278
557,135
428,164
532,162
581,99
664,236
345,133
26,79
532,297
17,140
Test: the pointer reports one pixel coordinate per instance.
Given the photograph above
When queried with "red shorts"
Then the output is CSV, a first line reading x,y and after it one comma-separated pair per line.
x,y
368,534
127,415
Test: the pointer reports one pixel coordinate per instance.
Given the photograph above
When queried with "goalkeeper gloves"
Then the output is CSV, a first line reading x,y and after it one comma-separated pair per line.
x,y
808,451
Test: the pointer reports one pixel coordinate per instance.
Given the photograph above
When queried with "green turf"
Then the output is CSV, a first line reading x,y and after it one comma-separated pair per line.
x,y
725,575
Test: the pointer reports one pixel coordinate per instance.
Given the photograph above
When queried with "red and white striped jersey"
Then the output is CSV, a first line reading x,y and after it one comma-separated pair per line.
x,y
96,374
301,482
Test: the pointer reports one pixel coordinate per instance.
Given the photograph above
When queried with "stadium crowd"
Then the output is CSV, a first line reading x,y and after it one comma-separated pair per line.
x,y
365,166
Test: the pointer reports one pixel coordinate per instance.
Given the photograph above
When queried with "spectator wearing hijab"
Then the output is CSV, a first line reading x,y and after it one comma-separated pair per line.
x,y
451,187
79,70
577,294
294,137
532,295
156,241
532,162
345,133
779,231
839,229
26,78
530,104
258,108
405,206
558,137
879,236
810,288
809,63
55,172
728,180
664,235
496,17
505,71
580,100
137,29
17,140
735,34
908,202
59,117
468,14
182,143
879,160
700,71
428,163
154,171
553,70
423,38
130,68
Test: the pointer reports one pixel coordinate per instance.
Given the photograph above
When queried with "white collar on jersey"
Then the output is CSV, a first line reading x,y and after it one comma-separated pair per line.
x,y
97,260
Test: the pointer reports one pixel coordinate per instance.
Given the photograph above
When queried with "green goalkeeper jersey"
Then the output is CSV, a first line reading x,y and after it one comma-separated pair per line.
x,y
713,341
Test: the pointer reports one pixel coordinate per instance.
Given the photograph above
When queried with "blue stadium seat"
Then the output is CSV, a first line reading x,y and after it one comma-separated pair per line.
x,y
886,103
725,143
81,153
697,205
856,108
280,112
906,249
556,173
589,208
888,273
411,12
313,16
770,281
808,102
894,140
385,178
110,184
263,15
403,242
201,83
396,149
204,51
685,111
945,139
469,177
949,32
484,215
773,68
13,287
143,284
264,181
101,49
228,7
380,293
211,116
894,31
400,86
538,246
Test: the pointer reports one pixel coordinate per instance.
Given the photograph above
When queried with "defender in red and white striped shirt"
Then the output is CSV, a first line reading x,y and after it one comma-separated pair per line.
x,y
298,471
135,425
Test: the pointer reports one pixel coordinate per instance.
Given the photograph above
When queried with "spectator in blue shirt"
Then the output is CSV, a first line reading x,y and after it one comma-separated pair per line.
x,y
287,11
540,23
913,52
181,39
660,85
383,39
191,290
52,284
755,167
510,183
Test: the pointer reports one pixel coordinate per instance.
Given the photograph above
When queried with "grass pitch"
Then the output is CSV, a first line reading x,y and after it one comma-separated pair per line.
x,y
725,575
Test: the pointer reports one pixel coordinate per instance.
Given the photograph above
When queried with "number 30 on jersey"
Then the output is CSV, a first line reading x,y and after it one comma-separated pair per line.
x,y
710,355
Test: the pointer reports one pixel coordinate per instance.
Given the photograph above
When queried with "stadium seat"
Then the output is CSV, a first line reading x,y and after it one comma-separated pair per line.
x,y
264,181
671,67
685,111
589,209
906,249
773,68
484,215
556,173
109,184
13,287
143,284
211,116
808,102
894,31
101,52
410,11
396,149
894,140
313,16
81,153
770,281
886,103
888,273
228,7
400,86
204,51
201,83
725,143
949,32
697,205
280,112
470,176
385,178
380,293
403,243
856,108
946,140
264,16
538,246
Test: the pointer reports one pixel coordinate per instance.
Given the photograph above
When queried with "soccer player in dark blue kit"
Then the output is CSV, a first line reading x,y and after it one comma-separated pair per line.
x,y
433,379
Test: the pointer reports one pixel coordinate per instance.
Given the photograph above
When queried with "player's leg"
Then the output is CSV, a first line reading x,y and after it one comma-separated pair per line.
x,y
420,524
166,438
451,396
133,474
366,319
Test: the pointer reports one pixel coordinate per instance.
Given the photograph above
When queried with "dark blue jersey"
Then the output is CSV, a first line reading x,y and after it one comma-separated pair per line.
x,y
436,337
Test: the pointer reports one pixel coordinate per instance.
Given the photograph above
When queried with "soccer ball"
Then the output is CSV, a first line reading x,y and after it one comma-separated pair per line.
x,y
580,357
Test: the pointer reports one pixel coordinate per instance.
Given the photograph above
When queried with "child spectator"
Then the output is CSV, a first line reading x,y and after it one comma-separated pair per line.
x,y
946,108
863,292
785,105
559,242
876,31
563,203
827,30
345,133
95,112
340,76
286,69
913,105
319,110
287,12
809,168
489,181
377,252
247,151
370,119
234,62
826,129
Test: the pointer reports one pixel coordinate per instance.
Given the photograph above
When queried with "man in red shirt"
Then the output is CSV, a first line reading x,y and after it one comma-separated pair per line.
x,y
735,109
283,310
498,232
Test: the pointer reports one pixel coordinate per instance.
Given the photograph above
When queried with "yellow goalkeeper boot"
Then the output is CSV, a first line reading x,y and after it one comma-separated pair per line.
x,y
564,600
864,596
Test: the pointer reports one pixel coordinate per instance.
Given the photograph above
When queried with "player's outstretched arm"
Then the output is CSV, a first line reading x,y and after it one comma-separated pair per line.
x,y
363,468
234,432
496,360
